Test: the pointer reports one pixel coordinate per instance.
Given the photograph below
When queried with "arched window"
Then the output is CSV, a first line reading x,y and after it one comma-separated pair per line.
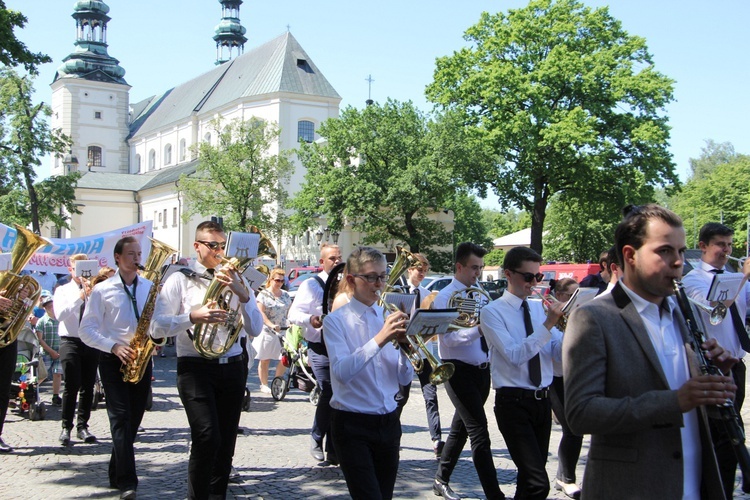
x,y
305,131
183,149
151,159
137,163
95,156
168,154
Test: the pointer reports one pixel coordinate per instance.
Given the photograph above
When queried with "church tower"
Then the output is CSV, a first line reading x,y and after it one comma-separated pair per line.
x,y
230,34
90,97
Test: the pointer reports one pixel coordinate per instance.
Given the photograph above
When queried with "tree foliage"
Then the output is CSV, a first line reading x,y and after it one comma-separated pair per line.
x,y
504,223
567,100
712,155
25,138
384,170
14,52
238,178
719,196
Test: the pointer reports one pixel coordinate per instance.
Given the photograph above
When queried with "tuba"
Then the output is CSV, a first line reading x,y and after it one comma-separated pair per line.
x,y
24,291
142,343
205,335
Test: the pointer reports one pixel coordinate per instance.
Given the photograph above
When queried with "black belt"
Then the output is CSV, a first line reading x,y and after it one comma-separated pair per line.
x,y
218,361
317,348
518,393
456,362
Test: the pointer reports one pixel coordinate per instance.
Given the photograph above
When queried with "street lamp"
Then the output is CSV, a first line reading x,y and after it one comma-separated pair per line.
x,y
328,233
70,162
335,236
319,236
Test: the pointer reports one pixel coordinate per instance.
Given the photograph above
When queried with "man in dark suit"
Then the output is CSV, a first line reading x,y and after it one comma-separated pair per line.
x,y
631,383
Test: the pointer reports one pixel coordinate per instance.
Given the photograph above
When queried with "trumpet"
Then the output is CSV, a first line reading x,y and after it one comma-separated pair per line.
x,y
550,300
441,371
740,261
716,314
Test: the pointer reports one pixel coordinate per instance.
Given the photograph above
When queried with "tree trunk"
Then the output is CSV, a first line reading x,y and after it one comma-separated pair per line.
x,y
538,214
33,201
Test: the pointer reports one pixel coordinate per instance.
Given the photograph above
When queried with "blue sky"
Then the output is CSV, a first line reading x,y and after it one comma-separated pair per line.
x,y
162,43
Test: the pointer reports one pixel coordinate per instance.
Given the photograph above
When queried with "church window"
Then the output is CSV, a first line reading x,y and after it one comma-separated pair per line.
x,y
95,156
159,216
137,163
174,216
151,159
305,131
183,149
97,115
168,154
165,218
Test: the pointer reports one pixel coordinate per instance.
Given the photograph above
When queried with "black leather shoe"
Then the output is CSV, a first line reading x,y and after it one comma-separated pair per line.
x,y
332,459
85,436
127,495
316,450
65,437
443,490
4,448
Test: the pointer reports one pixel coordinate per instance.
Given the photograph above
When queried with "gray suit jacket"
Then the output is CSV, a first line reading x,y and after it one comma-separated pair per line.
x,y
616,391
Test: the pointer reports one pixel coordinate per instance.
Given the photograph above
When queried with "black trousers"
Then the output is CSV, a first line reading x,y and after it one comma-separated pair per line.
x,y
526,425
725,455
212,395
7,368
322,422
468,389
79,363
570,444
368,452
126,404
429,393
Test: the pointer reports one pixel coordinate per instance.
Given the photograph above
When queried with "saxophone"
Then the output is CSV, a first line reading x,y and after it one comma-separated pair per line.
x,y
142,343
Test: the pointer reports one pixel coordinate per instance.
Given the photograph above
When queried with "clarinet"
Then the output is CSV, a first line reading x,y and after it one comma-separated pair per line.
x,y
725,412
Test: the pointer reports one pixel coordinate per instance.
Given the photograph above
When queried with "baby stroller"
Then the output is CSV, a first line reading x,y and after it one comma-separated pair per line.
x,y
298,374
24,389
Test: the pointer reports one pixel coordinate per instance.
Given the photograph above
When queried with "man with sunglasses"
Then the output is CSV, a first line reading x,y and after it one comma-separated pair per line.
x,y
523,343
469,386
307,312
211,390
366,372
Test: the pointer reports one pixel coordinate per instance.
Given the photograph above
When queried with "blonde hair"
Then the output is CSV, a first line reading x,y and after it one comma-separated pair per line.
x,y
104,271
78,256
276,271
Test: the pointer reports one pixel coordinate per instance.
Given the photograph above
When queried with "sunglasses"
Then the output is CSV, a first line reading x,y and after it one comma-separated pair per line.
x,y
529,277
213,245
279,281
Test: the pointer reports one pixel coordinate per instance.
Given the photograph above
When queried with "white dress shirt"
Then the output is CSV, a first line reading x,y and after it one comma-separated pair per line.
x,y
308,303
511,349
463,344
179,296
697,282
109,318
667,341
67,305
365,378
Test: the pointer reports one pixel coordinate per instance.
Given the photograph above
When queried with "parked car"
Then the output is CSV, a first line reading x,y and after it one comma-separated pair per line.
x,y
437,283
495,287
294,285
296,272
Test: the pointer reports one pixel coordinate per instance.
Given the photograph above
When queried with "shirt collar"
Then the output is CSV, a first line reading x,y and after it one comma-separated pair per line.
x,y
708,267
512,300
642,305
360,309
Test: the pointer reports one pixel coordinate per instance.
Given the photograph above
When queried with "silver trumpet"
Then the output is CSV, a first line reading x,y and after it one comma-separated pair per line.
x,y
716,314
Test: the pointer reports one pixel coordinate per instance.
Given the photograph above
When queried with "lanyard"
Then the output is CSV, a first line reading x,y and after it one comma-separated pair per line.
x,y
132,296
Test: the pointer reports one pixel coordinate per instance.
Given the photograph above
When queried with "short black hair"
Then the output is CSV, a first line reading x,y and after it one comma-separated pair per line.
x,y
632,230
518,255
466,250
120,245
712,229
209,226
612,258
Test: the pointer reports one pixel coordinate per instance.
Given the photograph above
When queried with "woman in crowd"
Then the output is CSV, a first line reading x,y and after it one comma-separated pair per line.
x,y
274,304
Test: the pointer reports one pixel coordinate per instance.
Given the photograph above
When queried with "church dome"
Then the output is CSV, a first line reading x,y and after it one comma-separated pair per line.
x,y
96,6
229,26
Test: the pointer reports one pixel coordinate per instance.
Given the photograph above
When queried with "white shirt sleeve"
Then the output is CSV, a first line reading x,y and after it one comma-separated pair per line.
x,y
92,324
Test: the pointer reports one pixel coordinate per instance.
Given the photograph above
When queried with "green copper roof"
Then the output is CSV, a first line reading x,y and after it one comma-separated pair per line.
x,y
131,182
91,6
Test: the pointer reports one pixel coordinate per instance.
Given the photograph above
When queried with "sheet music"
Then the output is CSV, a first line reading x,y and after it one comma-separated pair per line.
x,y
87,269
405,302
242,245
580,297
255,278
725,287
428,322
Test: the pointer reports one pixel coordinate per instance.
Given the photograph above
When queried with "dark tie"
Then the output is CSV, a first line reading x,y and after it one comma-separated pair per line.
x,y
739,324
535,365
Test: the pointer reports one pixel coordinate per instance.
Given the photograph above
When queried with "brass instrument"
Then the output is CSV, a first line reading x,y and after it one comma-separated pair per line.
x,y
716,314
24,291
142,343
205,335
441,372
562,323
469,303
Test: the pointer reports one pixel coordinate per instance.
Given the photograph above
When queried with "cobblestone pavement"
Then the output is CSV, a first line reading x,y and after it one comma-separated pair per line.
x,y
272,455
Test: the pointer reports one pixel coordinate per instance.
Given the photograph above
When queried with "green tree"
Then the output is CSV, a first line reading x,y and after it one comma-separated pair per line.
x,y
508,222
25,138
721,195
239,178
494,257
712,155
384,170
566,98
13,52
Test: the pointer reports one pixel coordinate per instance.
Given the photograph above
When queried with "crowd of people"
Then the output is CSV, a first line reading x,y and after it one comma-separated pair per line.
x,y
619,370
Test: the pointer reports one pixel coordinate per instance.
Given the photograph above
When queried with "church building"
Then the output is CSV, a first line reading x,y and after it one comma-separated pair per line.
x,y
132,155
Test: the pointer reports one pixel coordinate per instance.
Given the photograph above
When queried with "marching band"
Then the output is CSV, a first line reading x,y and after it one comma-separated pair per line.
x,y
632,383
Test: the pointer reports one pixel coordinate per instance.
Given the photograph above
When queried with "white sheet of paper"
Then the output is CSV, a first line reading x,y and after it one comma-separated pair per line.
x,y
242,245
725,287
87,269
428,322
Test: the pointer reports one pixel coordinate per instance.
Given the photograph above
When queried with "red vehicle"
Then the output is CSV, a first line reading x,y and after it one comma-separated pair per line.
x,y
296,272
575,271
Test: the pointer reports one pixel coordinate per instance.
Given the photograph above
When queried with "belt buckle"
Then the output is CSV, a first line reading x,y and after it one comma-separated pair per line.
x,y
223,361
484,366
540,394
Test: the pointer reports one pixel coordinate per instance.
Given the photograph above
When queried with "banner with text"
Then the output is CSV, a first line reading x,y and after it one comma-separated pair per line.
x,y
54,258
